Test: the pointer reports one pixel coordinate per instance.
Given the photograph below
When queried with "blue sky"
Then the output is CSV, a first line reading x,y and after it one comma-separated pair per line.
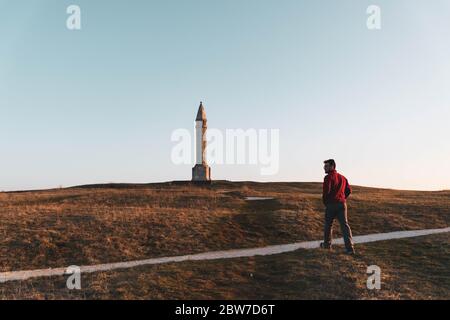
x,y
100,104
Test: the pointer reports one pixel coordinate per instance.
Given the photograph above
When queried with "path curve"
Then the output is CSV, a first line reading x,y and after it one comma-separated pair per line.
x,y
214,255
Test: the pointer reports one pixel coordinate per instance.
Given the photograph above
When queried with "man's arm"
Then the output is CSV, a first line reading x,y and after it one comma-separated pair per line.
x,y
326,189
348,189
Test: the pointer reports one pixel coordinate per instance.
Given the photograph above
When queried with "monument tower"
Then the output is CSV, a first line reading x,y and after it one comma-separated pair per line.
x,y
201,171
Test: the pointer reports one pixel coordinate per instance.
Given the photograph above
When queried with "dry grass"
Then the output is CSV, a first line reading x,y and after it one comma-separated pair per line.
x,y
102,224
411,269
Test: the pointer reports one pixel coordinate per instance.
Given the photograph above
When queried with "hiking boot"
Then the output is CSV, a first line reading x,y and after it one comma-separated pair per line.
x,y
323,245
350,252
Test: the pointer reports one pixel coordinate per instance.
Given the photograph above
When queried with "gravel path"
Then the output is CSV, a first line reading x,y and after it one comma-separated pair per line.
x,y
214,255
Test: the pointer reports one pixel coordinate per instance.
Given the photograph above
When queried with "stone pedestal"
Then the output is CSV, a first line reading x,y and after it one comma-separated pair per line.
x,y
201,172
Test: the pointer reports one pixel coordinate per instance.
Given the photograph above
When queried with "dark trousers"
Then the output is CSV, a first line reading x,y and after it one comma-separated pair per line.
x,y
337,211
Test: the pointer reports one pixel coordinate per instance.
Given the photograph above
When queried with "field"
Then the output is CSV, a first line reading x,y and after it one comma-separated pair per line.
x,y
112,223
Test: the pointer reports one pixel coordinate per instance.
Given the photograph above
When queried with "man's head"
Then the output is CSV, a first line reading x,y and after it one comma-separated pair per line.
x,y
329,166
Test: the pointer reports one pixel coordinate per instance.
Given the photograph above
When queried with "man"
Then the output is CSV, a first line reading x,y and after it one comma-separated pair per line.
x,y
336,190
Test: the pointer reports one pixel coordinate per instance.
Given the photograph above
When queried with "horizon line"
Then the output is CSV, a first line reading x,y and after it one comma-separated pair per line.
x,y
130,184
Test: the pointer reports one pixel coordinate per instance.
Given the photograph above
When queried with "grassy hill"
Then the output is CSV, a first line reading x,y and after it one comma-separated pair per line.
x,y
110,223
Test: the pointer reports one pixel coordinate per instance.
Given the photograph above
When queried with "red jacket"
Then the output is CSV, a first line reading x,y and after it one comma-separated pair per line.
x,y
335,188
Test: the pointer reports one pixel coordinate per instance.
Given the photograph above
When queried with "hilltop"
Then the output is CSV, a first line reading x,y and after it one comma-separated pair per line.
x,y
97,224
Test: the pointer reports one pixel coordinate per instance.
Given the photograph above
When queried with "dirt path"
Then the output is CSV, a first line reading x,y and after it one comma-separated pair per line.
x,y
214,255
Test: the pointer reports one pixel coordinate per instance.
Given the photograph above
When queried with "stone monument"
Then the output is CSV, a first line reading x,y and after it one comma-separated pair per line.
x,y
201,172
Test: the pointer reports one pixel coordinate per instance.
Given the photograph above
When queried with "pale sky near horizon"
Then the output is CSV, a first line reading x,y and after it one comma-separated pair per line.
x,y
100,104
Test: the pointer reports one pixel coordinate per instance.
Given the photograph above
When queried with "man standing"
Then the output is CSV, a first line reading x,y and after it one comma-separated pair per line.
x,y
336,190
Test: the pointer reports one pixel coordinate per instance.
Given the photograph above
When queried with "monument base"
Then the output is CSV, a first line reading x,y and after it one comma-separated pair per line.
x,y
201,173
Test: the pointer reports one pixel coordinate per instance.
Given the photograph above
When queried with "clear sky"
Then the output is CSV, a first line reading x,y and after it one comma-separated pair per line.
x,y
100,104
